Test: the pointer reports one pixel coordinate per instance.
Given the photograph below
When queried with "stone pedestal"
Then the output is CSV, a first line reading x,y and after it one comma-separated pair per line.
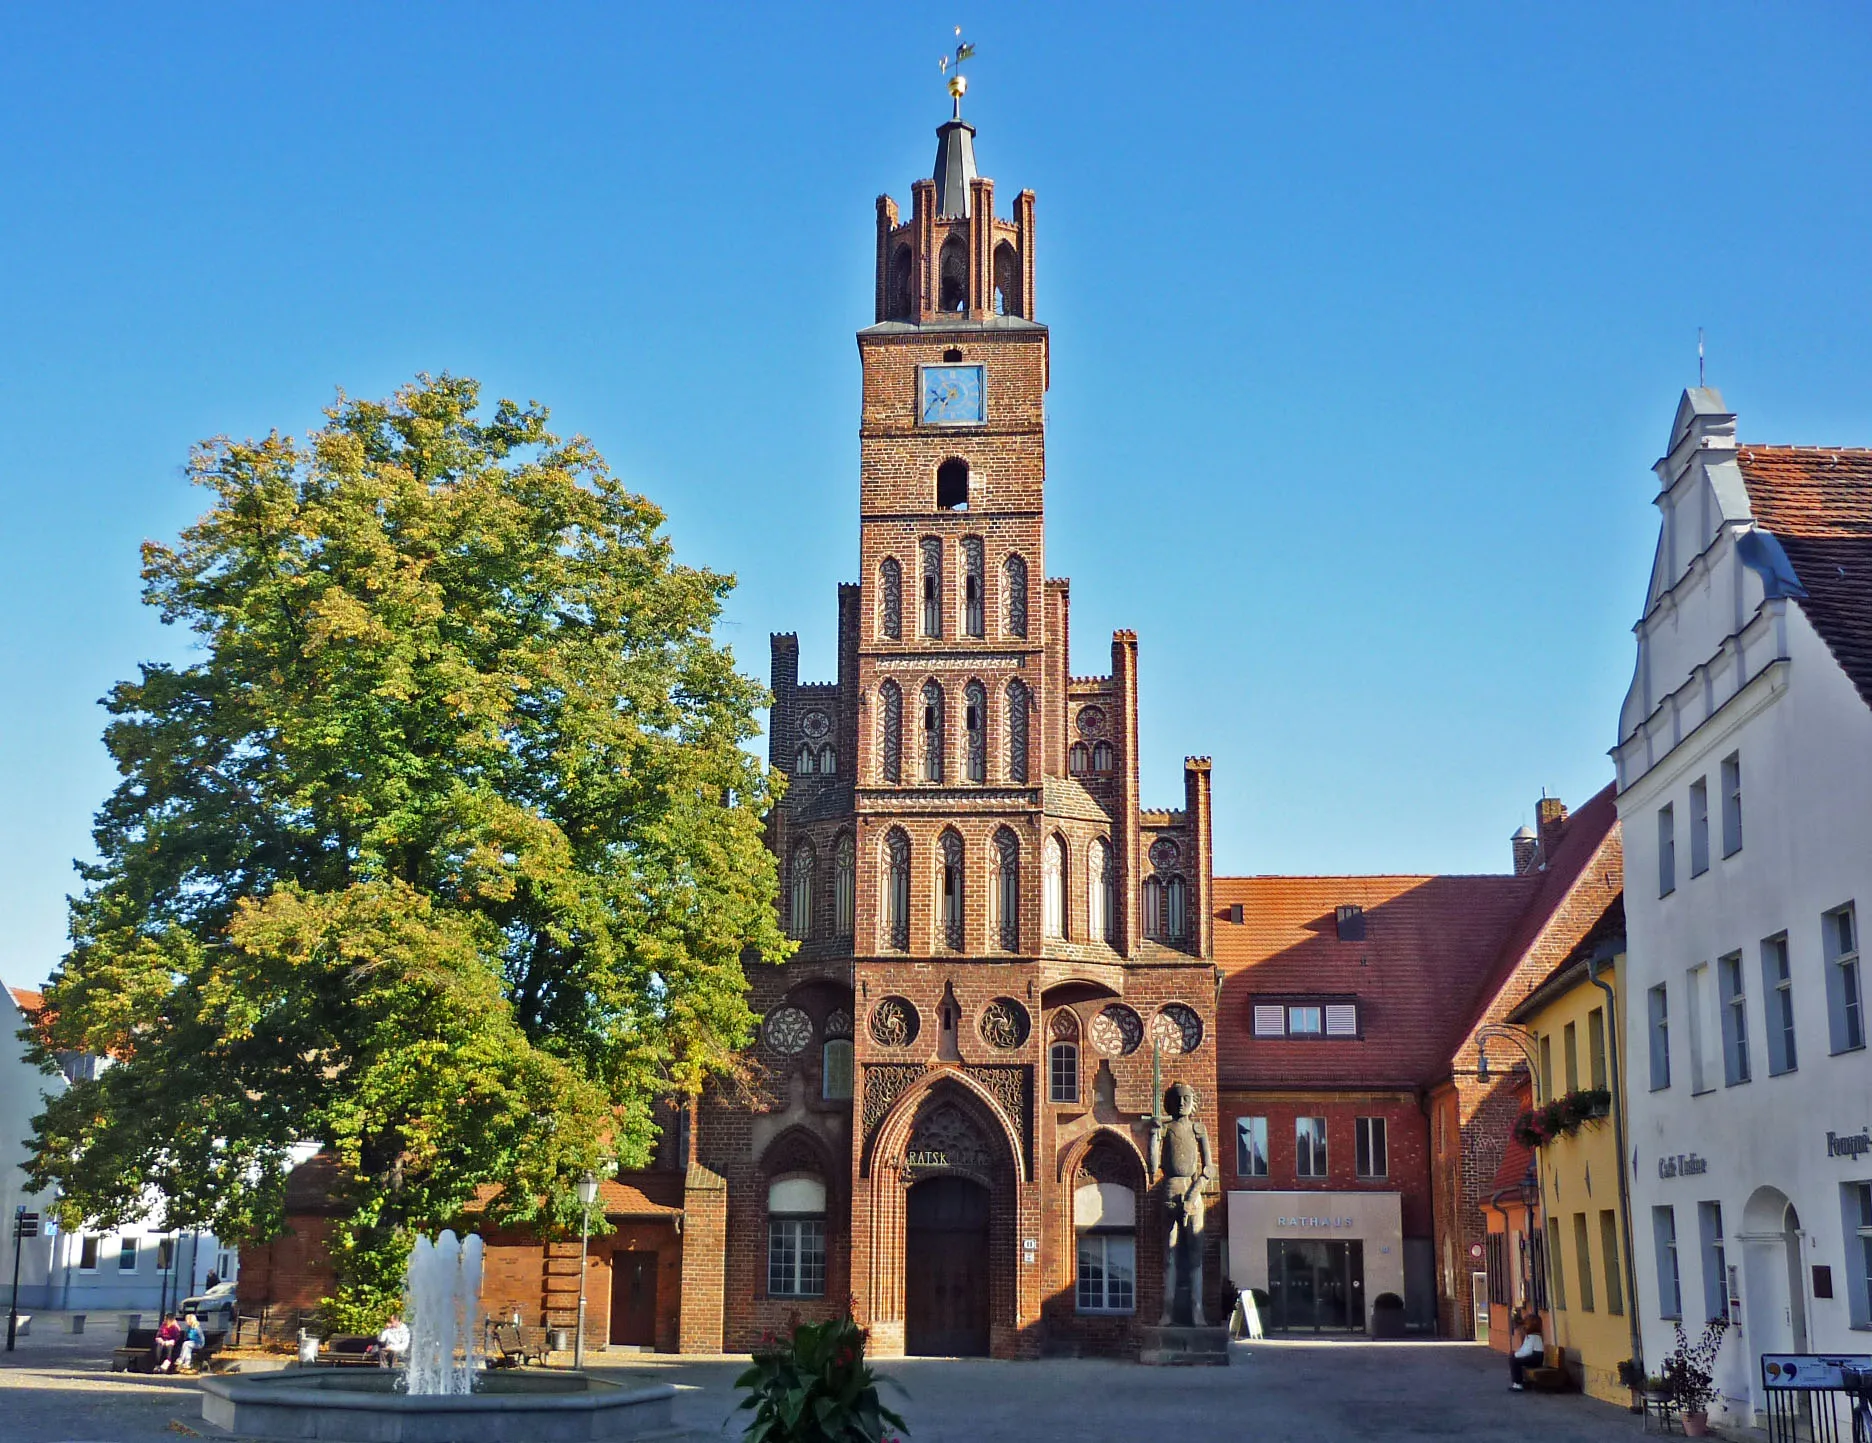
x,y
1181,1347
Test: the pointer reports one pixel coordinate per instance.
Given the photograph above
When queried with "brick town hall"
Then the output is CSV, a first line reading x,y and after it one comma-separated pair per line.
x,y
999,942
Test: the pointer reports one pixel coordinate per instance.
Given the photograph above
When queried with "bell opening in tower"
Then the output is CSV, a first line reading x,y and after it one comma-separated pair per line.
x,y
952,485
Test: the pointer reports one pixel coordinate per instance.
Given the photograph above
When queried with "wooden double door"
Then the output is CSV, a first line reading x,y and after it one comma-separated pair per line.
x,y
946,1269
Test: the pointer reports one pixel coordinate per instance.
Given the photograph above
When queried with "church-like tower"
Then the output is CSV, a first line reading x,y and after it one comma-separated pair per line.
x,y
995,936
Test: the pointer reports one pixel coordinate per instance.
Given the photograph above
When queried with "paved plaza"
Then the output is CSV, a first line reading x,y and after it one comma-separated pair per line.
x,y
59,1390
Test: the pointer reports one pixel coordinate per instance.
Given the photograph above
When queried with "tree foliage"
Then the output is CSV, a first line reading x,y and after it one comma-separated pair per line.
x,y
444,852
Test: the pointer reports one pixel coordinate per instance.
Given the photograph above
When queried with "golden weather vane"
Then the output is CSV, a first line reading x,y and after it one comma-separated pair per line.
x,y
958,83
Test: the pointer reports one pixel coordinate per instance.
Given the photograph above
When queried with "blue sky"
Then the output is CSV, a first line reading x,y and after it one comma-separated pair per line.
x,y
1368,322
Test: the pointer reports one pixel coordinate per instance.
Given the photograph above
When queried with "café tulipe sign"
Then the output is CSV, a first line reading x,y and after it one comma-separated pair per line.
x,y
1684,1164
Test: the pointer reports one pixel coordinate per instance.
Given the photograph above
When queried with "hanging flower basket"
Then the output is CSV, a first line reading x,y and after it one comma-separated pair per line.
x,y
1562,1117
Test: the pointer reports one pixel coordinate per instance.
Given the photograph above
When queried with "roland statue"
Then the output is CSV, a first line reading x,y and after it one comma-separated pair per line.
x,y
1179,1147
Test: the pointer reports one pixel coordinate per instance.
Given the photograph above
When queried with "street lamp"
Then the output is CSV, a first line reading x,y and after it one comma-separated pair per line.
x,y
1523,1042
587,1195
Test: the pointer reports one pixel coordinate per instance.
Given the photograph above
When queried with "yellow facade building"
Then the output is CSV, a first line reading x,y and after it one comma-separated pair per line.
x,y
1573,1020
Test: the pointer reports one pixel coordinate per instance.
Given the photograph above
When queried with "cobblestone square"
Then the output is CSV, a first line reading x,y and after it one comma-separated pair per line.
x,y
55,1392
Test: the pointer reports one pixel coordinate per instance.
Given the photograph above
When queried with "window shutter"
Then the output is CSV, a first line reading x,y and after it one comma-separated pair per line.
x,y
1342,1019
1270,1020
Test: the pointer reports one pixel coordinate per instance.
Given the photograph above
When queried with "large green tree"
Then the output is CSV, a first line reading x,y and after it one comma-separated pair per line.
x,y
444,852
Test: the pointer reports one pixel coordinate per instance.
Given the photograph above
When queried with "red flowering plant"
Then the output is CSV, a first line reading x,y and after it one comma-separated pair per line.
x,y
815,1387
1562,1117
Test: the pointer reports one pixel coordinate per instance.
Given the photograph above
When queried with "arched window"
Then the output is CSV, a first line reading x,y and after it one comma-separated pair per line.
x,y
835,1070
975,719
1076,759
932,550
1014,593
953,269
1007,281
1105,1218
897,285
1053,887
1176,919
932,731
1101,757
828,761
844,886
890,731
804,763
799,911
890,598
1063,1072
952,485
972,585
1153,907
897,889
949,889
796,1212
1017,730
1099,897
1004,895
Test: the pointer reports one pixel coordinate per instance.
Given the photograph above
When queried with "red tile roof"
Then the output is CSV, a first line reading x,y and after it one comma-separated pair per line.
x,y
30,1002
1428,941
1817,500
1439,954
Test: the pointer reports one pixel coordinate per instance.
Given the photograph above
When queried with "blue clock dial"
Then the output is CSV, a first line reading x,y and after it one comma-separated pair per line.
x,y
951,396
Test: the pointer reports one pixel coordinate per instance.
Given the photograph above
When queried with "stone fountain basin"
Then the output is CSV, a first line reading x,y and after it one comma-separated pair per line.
x,y
360,1405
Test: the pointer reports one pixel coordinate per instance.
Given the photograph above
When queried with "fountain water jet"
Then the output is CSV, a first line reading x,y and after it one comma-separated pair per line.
x,y
442,1287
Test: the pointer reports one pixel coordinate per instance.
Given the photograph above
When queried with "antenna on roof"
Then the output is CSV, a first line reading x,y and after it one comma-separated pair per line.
x,y
1699,358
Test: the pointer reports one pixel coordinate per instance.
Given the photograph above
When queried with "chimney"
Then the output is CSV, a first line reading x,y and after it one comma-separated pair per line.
x,y
1526,851
1550,820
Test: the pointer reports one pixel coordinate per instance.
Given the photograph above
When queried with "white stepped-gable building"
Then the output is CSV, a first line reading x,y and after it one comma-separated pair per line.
x,y
1745,793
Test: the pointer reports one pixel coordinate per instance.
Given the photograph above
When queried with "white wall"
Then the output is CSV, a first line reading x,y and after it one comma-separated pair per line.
x,y
1722,671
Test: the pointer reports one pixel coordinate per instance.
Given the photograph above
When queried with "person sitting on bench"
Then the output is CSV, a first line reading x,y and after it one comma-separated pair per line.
x,y
393,1342
168,1344
193,1340
1530,1353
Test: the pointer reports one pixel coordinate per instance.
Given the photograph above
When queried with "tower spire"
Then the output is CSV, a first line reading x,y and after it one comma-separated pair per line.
x,y
955,140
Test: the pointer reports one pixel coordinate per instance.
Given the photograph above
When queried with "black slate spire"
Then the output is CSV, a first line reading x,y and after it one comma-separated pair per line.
x,y
955,166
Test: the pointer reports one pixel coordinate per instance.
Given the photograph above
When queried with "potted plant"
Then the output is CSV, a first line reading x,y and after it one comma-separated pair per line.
x,y
1631,1376
1689,1373
1387,1316
815,1387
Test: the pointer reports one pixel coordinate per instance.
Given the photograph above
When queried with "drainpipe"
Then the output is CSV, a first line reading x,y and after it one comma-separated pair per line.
x,y
1604,953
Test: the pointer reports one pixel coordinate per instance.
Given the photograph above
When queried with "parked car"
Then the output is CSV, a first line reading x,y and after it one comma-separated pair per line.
x,y
216,1308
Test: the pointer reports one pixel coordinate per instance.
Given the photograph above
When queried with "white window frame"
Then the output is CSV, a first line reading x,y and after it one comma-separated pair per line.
x,y
1101,1293
1371,1155
1251,1147
1056,1051
1306,1019
1778,1002
127,1249
1311,1155
1846,1001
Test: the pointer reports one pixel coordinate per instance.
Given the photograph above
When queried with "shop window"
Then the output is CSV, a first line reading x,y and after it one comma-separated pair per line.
x,y
1732,803
1609,1250
1657,1001
1063,1072
1778,995
1734,1019
1664,1240
1582,1263
835,1071
796,1210
1859,1213
1372,1159
1839,935
1105,1218
1251,1147
1310,1147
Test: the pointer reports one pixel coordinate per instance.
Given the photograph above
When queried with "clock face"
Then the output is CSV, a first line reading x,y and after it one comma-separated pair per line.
x,y
951,396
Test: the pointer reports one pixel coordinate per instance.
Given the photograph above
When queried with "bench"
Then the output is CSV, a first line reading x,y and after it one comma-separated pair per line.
x,y
350,1350
513,1349
138,1353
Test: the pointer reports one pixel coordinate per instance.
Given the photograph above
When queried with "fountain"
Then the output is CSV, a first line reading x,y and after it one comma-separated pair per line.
x,y
444,1394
